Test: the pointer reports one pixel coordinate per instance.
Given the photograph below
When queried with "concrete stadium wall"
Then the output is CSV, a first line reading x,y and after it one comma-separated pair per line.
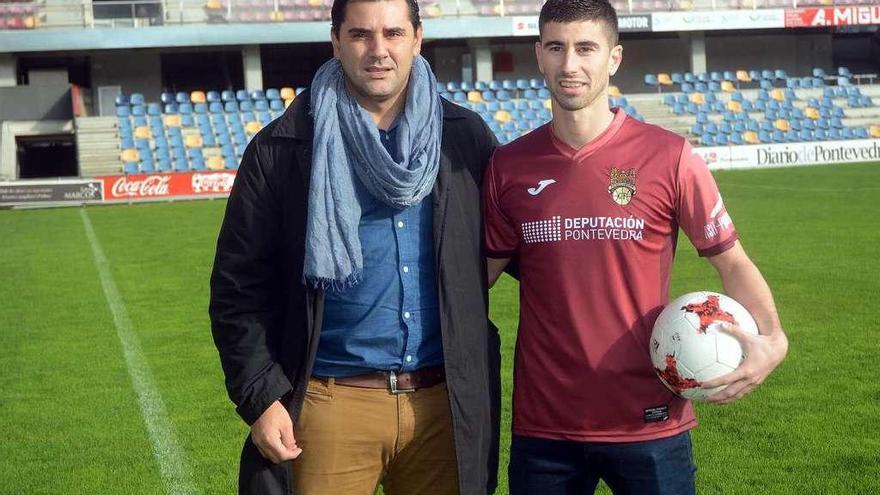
x,y
796,54
35,102
137,71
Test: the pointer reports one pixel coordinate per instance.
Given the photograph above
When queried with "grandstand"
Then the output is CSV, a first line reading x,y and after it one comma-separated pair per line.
x,y
157,87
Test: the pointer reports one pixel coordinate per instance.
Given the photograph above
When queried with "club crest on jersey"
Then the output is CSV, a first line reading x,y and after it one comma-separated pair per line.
x,y
622,185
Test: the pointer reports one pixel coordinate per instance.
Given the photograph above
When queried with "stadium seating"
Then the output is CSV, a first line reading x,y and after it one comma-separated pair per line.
x,y
19,14
773,110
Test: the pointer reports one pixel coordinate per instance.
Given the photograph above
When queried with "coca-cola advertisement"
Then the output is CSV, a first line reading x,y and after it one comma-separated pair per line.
x,y
160,186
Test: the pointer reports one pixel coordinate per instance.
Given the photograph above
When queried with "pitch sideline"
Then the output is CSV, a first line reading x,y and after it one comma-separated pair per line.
x,y
169,455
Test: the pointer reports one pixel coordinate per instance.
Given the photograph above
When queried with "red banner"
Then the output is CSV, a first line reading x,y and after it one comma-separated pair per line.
x,y
158,186
840,16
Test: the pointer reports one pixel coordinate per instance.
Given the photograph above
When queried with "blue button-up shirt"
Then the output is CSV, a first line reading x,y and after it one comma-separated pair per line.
x,y
390,320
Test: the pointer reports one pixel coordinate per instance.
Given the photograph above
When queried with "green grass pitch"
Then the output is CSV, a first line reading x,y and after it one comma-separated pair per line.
x,y
70,420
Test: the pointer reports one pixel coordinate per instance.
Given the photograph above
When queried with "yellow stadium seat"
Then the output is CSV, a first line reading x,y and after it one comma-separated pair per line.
x,y
743,76
31,22
664,79
172,121
287,103
287,93
727,87
548,104
777,94
252,127
812,113
142,133
502,116
734,106
686,5
751,137
192,141
130,155
782,125
214,5
197,96
433,11
316,3
698,98
614,91
276,15
875,131
474,96
215,162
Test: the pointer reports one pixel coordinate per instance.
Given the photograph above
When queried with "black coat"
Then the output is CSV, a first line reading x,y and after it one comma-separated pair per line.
x,y
266,323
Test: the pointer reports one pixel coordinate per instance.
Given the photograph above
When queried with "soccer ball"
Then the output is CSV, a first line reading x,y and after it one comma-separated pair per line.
x,y
688,347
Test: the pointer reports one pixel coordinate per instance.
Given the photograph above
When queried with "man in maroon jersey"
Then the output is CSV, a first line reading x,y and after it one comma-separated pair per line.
x,y
591,204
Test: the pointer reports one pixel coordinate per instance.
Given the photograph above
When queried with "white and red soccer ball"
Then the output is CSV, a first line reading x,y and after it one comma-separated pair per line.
x,y
688,346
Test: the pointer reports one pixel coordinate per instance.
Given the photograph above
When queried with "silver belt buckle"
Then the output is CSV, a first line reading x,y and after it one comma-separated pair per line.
x,y
392,385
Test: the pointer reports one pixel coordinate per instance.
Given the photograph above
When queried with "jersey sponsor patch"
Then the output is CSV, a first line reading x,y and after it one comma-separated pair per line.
x,y
657,414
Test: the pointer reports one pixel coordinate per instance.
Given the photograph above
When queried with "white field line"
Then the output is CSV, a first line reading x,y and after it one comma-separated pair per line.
x,y
169,455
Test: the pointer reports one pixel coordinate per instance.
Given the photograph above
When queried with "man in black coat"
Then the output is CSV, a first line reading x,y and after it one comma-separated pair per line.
x,y
312,362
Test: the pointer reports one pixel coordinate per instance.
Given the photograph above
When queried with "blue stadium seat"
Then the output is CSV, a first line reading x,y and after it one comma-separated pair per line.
x,y
697,129
778,136
227,96
122,100
700,87
689,78
710,97
230,106
508,85
677,78
536,83
844,71
521,104
736,139
728,76
861,133
258,94
755,75
164,164
212,97
245,106
231,162
215,107
503,95
714,86
669,100
766,84
821,134
865,101
793,83
522,84
242,95
123,111
838,112
480,86
136,99
722,140
489,95
530,94
261,105
651,80
843,81
138,110
766,74
806,135
130,168
765,137
182,97
707,140
276,105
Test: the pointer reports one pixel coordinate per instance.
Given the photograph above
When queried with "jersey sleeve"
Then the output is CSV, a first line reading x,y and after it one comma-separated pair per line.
x,y
500,234
701,211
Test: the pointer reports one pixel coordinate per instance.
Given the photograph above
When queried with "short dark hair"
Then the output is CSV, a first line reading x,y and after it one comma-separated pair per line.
x,y
337,13
580,10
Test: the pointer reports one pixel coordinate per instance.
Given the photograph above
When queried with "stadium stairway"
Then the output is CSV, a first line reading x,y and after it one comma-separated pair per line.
x,y
97,145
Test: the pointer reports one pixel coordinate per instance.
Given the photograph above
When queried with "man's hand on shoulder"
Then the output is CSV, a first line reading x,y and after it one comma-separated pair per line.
x,y
272,433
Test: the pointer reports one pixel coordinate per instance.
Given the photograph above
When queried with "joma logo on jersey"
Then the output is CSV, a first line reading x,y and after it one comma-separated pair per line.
x,y
622,185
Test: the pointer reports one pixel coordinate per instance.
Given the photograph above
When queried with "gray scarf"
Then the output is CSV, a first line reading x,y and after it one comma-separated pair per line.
x,y
347,145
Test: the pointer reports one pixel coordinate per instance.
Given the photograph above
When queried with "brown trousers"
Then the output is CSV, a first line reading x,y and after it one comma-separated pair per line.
x,y
354,439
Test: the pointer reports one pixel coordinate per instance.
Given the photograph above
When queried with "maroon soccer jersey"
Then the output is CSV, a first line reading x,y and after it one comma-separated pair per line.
x,y
595,231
